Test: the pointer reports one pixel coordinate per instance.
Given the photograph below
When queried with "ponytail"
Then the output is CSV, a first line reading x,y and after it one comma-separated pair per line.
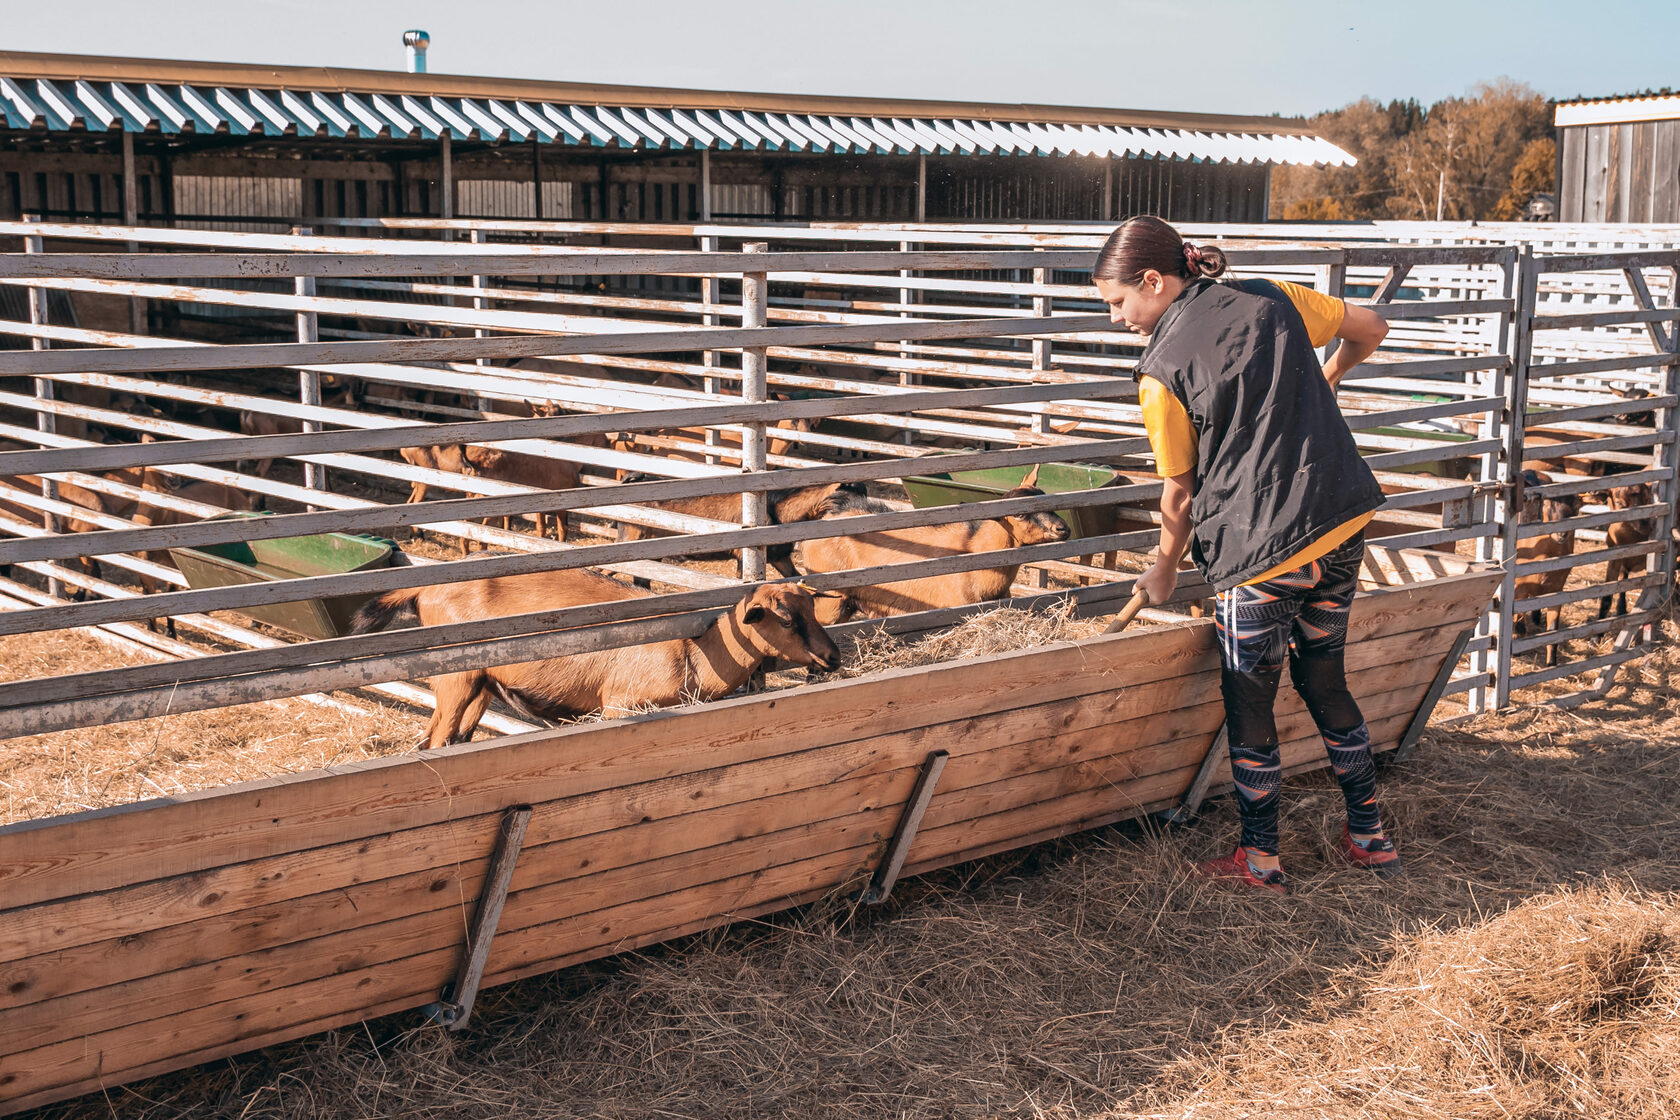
x,y
1146,242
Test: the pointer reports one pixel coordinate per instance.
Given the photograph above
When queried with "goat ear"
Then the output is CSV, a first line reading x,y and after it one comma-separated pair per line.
x,y
754,615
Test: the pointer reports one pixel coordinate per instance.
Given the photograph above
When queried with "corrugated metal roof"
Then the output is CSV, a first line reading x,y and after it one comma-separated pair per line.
x,y
62,105
1619,110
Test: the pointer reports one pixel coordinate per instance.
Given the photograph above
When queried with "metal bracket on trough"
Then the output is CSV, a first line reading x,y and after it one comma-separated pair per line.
x,y
1185,811
1414,730
456,1002
905,834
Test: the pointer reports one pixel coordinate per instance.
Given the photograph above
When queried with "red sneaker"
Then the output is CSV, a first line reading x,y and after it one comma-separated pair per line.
x,y
1378,855
1235,869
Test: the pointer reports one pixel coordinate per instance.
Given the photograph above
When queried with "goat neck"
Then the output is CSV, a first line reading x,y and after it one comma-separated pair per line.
x,y
722,658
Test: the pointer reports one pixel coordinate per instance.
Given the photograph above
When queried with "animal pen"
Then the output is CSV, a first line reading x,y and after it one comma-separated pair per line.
x,y
147,937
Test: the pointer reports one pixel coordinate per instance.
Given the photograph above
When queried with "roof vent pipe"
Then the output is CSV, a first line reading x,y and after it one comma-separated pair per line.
x,y
416,41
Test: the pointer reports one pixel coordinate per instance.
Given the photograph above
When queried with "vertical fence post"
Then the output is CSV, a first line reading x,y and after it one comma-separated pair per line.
x,y
1508,505
1041,343
906,296
45,421
1489,506
709,293
480,282
309,382
755,371
1668,454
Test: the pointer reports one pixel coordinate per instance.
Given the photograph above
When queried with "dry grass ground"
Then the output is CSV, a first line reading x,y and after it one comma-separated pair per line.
x,y
1528,965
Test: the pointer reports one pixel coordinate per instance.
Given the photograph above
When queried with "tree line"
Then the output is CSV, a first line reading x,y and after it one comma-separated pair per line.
x,y
1482,156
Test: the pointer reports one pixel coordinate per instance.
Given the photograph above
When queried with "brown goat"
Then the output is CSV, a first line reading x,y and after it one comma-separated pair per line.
x,y
1626,533
805,503
1546,547
253,422
773,622
896,546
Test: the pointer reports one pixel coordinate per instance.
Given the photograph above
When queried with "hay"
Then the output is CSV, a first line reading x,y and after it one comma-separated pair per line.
x,y
94,767
1566,1004
979,635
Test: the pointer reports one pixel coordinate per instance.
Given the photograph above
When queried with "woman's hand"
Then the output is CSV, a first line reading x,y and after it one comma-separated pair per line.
x,y
1159,581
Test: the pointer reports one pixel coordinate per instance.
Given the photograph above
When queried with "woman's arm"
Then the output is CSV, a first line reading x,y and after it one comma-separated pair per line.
x,y
1361,332
1160,580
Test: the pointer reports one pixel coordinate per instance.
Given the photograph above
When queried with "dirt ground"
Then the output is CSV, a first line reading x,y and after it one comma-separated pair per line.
x,y
1527,965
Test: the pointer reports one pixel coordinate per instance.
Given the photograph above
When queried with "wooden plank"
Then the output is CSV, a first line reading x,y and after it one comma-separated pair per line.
x,y
603,890
56,928
176,979
720,801
200,831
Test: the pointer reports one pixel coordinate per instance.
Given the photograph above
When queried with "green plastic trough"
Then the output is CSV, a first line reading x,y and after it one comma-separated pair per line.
x,y
956,487
241,562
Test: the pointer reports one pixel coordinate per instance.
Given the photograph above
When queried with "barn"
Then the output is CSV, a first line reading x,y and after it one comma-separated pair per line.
x,y
87,138
1619,159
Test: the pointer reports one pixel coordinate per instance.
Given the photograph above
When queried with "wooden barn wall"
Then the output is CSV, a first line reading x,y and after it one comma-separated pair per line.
x,y
268,191
1620,172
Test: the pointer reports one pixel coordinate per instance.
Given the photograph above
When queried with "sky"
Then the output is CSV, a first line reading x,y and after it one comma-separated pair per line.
x,y
1220,56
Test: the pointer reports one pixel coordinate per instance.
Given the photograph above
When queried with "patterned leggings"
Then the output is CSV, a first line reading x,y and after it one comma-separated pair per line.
x,y
1303,613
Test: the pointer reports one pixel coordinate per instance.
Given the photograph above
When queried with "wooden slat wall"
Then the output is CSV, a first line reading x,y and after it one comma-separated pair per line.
x,y
157,936
1620,172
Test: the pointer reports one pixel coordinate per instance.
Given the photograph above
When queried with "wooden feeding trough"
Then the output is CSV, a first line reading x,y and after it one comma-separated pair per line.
x,y
159,935
269,561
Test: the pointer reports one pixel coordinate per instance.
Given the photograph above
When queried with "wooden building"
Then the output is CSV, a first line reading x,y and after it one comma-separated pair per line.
x,y
258,147
1619,160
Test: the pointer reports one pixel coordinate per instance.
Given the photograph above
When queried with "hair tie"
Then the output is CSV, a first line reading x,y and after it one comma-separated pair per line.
x,y
1193,258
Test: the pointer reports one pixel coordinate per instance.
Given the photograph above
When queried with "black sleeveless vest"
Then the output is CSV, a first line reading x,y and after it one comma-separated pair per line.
x,y
1276,467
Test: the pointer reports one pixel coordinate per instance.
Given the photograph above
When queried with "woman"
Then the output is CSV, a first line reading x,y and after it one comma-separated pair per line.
x,y
1264,485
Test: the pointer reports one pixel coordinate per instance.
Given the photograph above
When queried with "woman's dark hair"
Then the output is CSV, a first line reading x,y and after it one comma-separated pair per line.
x,y
1146,242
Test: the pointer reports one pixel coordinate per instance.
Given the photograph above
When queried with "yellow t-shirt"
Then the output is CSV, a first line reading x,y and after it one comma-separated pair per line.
x,y
1173,438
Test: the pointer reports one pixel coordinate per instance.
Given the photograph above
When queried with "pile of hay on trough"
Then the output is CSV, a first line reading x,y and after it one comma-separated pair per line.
x,y
1002,630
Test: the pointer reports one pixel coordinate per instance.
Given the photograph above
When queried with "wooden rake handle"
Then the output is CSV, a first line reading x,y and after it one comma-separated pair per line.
x,y
1136,603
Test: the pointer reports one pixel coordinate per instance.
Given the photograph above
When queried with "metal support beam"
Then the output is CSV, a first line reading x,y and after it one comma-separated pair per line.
x,y
1191,803
755,373
706,186
456,1004
898,848
446,178
131,217
1414,730
536,177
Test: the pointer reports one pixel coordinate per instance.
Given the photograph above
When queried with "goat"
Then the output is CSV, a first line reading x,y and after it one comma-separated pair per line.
x,y
1626,533
253,422
1546,547
536,471
805,503
775,621
893,546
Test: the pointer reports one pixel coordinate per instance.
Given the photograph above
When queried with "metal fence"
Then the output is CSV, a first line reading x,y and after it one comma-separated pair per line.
x,y
884,344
